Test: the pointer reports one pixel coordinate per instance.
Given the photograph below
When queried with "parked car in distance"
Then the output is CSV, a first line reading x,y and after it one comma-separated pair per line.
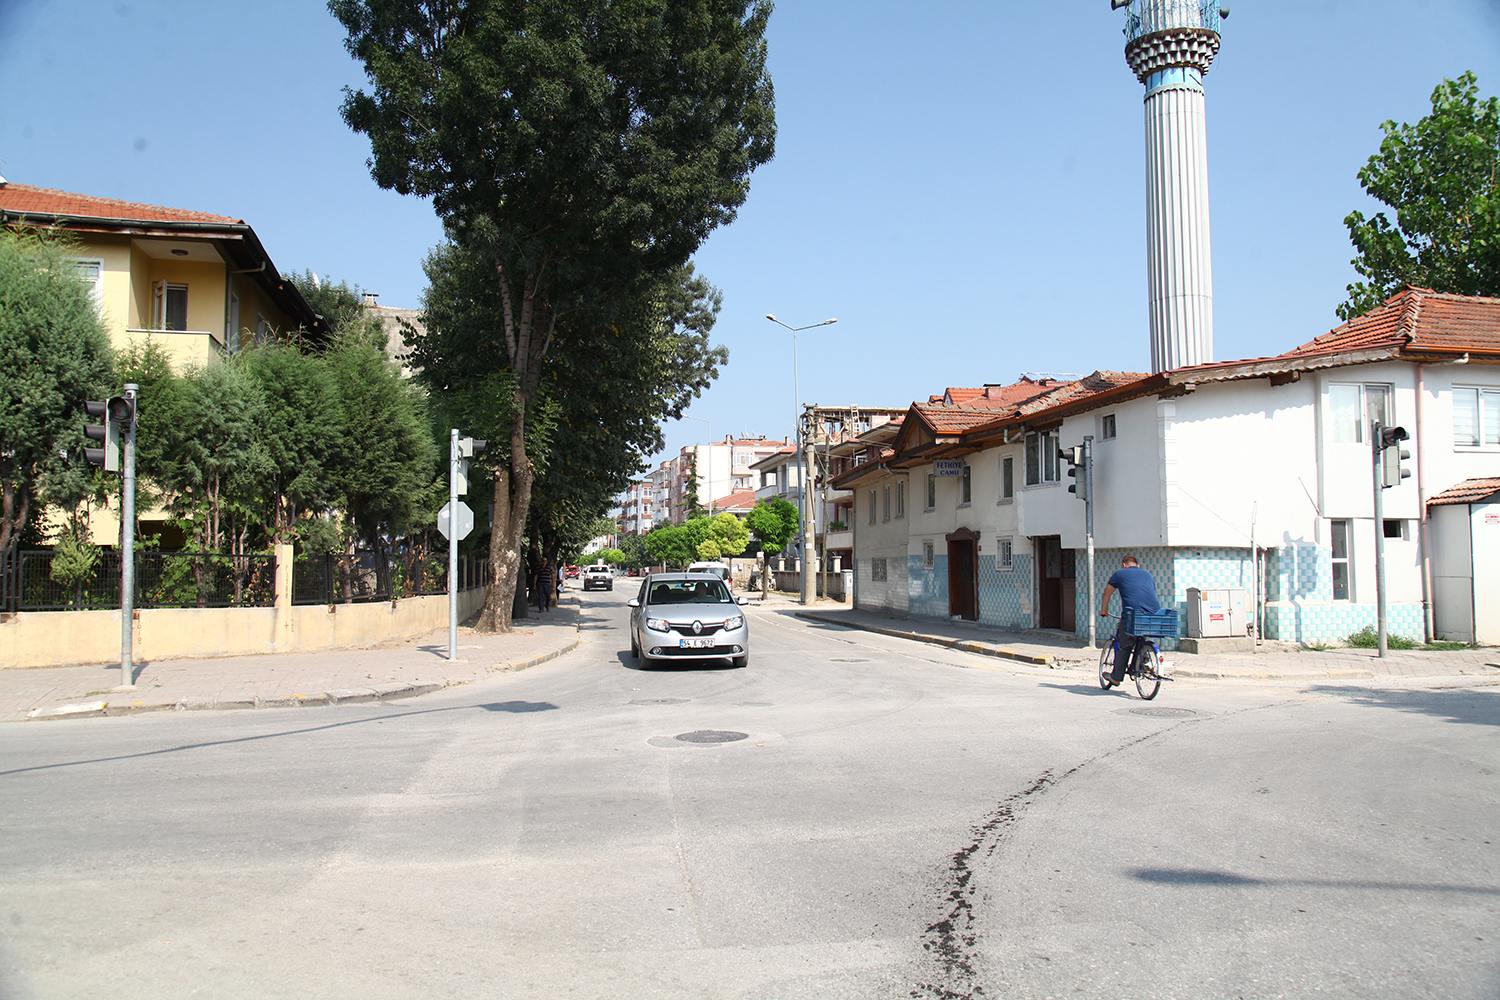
x,y
599,577
688,616
718,569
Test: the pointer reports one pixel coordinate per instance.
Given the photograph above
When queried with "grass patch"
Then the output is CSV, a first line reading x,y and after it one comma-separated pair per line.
x,y
1368,638
1317,647
1444,645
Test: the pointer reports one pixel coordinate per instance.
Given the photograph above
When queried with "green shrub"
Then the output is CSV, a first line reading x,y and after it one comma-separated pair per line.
x,y
1368,638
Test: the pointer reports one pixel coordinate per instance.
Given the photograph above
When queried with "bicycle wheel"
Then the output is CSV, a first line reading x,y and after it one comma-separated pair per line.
x,y
1148,671
1106,666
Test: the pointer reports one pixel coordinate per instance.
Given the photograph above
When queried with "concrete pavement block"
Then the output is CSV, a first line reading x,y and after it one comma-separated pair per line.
x,y
79,710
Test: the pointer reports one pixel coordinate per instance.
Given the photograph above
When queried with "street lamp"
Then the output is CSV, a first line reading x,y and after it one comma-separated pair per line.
x,y
700,420
807,544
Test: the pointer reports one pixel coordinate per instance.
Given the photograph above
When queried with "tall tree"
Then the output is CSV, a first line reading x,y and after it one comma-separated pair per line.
x,y
1442,178
586,147
54,354
773,521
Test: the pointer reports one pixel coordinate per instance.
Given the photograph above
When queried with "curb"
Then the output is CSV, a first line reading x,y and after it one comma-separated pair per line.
x,y
510,665
966,645
342,696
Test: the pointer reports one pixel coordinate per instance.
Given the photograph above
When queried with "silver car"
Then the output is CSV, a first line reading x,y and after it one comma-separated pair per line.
x,y
688,616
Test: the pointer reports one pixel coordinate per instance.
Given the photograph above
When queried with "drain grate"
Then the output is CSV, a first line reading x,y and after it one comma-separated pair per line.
x,y
842,659
660,701
711,736
1165,713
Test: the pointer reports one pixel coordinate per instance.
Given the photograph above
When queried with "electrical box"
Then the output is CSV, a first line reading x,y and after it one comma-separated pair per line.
x,y
1220,612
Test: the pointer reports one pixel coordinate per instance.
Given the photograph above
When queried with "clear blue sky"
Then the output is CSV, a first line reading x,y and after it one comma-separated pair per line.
x,y
960,183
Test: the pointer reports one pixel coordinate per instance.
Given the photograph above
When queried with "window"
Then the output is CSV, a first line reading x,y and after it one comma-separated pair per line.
x,y
1041,458
878,570
1338,535
1394,529
886,510
169,306
1007,479
966,485
901,498
927,558
1107,426
872,506
743,458
931,491
233,336
1351,408
1003,556
91,274
1476,417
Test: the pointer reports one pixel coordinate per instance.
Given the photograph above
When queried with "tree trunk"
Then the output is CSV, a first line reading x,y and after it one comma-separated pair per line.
x,y
513,485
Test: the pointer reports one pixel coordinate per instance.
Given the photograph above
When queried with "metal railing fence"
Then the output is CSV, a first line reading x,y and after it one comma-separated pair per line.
x,y
35,580
377,576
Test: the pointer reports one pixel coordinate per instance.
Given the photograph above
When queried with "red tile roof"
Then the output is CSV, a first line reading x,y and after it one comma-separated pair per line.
x,y
23,198
1468,491
738,500
1414,319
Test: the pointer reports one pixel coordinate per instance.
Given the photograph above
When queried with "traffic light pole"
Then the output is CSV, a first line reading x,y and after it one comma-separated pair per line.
x,y
127,547
1377,451
453,544
1088,530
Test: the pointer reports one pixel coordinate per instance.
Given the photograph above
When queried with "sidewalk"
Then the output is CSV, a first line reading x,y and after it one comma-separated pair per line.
x,y
377,673
1063,651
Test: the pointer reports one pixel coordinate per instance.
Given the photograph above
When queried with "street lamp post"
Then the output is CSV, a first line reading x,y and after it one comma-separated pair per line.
x,y
801,459
710,460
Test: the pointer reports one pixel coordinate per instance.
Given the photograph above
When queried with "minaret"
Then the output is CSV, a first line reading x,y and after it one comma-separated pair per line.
x,y
1169,45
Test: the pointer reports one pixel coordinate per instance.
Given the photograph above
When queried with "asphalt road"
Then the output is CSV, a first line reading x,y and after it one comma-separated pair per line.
x,y
898,820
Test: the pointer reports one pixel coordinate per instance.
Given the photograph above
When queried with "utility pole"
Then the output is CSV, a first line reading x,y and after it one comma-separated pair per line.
x,y
126,415
1088,531
806,459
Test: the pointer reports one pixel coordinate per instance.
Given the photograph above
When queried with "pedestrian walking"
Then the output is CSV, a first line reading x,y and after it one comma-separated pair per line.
x,y
545,575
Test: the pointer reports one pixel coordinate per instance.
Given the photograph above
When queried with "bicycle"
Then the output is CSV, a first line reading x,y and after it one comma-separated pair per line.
x,y
1145,661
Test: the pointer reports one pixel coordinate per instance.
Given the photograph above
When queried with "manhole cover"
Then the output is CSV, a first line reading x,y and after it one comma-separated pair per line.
x,y
711,736
1165,713
660,701
838,659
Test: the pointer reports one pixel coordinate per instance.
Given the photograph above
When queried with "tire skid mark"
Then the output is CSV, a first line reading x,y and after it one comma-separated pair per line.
x,y
950,942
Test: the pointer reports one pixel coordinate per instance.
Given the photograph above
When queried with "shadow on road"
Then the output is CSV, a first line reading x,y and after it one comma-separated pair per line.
x,y
1470,707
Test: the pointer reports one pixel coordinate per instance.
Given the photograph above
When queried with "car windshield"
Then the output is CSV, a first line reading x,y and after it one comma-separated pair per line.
x,y
689,592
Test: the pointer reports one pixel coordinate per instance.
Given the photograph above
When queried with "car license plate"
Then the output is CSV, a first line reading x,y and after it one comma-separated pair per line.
x,y
694,643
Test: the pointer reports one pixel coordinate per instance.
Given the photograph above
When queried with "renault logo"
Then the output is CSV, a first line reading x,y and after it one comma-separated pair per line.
x,y
697,628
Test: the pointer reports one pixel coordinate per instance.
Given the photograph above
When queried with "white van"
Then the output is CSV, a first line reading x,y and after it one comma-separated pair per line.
x,y
718,569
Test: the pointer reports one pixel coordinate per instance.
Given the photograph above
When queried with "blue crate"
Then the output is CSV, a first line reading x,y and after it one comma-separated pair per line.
x,y
1155,624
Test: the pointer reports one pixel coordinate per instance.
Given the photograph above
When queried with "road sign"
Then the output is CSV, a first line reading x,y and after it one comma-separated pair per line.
x,y
465,520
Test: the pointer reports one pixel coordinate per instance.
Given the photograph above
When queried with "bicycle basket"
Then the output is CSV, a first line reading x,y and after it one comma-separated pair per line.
x,y
1152,623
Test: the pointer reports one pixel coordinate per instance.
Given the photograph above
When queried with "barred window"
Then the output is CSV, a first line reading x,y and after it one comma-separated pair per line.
x,y
877,570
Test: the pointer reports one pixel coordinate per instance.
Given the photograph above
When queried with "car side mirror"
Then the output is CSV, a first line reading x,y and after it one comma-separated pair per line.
x,y
742,599
633,603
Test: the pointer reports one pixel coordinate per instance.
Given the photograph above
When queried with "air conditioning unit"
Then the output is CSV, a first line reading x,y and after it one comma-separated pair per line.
x,y
1220,612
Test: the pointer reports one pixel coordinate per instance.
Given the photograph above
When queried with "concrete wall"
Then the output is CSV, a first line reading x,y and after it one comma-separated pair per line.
x,y
64,638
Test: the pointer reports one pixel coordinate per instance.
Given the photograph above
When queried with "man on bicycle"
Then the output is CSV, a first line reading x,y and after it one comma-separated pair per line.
x,y
1137,593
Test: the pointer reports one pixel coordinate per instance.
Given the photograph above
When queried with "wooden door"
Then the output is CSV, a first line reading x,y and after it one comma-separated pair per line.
x,y
963,575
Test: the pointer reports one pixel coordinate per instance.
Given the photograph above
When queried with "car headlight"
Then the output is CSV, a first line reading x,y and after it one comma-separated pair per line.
x,y
658,625
738,621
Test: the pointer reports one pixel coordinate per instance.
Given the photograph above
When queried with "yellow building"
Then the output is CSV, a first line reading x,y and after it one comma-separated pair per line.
x,y
200,285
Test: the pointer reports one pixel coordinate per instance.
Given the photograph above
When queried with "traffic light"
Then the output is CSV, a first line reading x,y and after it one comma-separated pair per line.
x,y
107,433
1392,455
467,448
1074,457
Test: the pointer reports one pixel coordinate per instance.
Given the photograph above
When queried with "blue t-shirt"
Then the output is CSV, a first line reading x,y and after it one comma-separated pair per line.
x,y
1137,588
